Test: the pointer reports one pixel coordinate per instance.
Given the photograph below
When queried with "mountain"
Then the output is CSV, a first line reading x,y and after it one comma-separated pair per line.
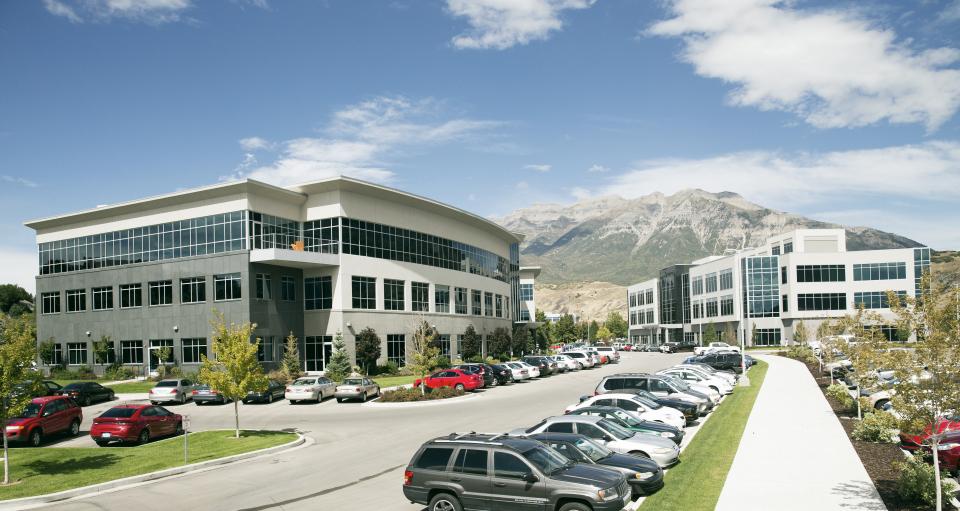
x,y
624,241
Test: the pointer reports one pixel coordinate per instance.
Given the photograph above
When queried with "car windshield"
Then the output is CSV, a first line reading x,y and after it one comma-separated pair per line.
x,y
203,387
305,381
675,383
646,400
547,460
32,410
120,413
617,431
625,418
74,386
168,383
593,450
353,381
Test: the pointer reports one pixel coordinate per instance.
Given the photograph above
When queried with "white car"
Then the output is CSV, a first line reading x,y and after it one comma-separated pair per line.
x,y
684,385
714,346
636,406
581,358
519,372
612,355
727,376
532,369
310,388
567,362
692,376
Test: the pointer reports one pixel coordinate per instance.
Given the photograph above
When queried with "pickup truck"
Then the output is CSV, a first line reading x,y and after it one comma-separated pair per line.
x,y
714,346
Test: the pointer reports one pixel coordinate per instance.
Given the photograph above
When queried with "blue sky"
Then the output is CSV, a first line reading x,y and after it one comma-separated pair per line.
x,y
830,110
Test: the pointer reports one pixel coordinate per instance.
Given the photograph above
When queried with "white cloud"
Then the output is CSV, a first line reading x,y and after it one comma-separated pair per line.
x,y
19,267
597,169
58,8
832,68
523,185
255,144
501,24
580,193
951,12
18,181
538,167
359,138
153,12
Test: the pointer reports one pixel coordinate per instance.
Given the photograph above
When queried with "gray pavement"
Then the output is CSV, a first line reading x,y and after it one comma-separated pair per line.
x,y
360,451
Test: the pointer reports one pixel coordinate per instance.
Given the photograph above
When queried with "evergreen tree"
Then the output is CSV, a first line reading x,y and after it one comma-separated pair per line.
x,y
499,344
470,345
565,330
710,333
291,364
523,342
616,324
592,330
339,366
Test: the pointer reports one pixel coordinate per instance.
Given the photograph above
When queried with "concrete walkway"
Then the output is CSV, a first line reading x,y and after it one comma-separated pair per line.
x,y
794,454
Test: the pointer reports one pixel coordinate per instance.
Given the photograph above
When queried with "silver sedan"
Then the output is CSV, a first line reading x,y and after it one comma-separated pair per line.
x,y
356,388
310,388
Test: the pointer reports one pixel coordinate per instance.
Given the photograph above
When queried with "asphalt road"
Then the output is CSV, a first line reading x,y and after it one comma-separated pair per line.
x,y
359,453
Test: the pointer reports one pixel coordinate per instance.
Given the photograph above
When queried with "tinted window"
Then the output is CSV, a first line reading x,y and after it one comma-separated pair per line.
x,y
148,412
568,451
74,386
605,402
561,427
626,404
167,383
659,386
508,465
590,431
120,413
434,458
471,461
614,384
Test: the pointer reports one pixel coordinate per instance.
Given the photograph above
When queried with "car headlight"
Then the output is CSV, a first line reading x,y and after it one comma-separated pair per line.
x,y
663,450
643,475
608,494
667,434
14,428
947,447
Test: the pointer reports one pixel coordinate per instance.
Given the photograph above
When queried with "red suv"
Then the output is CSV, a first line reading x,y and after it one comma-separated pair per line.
x,y
455,378
911,442
45,416
135,423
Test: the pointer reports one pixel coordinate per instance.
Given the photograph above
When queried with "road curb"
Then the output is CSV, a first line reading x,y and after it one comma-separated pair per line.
x,y
415,404
94,489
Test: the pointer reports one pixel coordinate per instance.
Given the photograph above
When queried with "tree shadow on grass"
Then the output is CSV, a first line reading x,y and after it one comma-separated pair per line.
x,y
71,465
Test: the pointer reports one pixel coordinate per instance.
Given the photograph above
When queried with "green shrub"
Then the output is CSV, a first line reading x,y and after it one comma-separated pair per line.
x,y
117,372
803,353
875,427
406,395
443,362
476,359
917,483
841,394
388,369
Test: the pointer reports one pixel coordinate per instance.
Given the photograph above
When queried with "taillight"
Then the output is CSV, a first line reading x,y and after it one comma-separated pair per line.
x,y
194,393
407,477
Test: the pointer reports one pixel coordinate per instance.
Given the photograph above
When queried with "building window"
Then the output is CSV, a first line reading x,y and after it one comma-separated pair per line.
x,y
131,295
155,346
760,286
649,295
822,302
650,318
787,247
710,282
268,231
726,305
444,342
695,307
875,299
880,271
77,353
525,315
421,296
193,348
726,280
397,349
51,302
476,307
102,298
697,286
488,304
226,287
712,308
499,306
364,293
131,352
317,350
441,298
460,300
783,274
161,292
318,293
775,250
193,290
263,291
288,289
266,348
526,292
821,273
57,354
921,265
766,337
890,332
76,300
785,303
393,299
322,236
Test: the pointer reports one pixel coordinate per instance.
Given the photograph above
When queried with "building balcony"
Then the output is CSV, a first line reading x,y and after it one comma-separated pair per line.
x,y
293,258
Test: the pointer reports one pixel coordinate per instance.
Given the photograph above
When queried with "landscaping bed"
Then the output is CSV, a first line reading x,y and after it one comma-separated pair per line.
x,y
415,395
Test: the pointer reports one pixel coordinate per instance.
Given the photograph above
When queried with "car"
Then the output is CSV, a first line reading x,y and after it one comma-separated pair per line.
x,y
546,367
650,348
670,347
696,389
561,365
663,451
356,388
911,443
310,388
612,354
533,370
598,359
176,390
485,372
721,361
688,374
44,416
87,392
275,390
203,394
714,346
518,371
656,385
45,388
690,411
631,422
583,360
475,471
567,362
502,373
643,474
455,378
949,452
728,376
640,408
135,423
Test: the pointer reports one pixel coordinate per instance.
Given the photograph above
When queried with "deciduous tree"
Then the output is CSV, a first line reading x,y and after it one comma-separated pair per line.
x,y
604,334
11,294
564,330
616,324
800,334
18,351
367,345
424,352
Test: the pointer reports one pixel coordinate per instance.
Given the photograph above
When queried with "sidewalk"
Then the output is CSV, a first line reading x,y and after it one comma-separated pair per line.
x,y
794,455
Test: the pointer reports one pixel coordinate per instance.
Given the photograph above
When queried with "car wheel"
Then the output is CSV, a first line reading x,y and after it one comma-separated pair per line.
x,y
574,506
378,392
292,401
339,400
269,398
178,430
444,502
144,437
459,387
35,438
86,401
198,403
183,398
364,397
880,404
102,443
640,453
75,428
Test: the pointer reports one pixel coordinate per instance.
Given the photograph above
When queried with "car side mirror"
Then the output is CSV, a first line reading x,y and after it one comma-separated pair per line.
x,y
530,477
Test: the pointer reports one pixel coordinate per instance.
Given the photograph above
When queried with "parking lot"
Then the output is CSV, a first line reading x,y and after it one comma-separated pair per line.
x,y
360,450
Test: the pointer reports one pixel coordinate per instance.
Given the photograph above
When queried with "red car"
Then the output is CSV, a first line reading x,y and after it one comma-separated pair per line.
x,y
45,416
135,423
913,442
950,452
455,378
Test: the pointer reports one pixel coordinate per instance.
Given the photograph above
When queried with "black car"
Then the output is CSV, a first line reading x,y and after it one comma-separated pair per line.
x,y
489,379
622,418
690,411
503,374
46,388
275,390
729,361
643,474
546,366
87,392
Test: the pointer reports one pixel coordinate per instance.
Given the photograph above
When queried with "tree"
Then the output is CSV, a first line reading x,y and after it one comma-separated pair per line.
x,y
800,334
339,366
424,353
499,343
616,324
564,331
730,334
470,345
523,342
11,294
710,333
291,358
367,346
234,371
581,330
18,351
102,349
592,329
48,350
604,334
163,355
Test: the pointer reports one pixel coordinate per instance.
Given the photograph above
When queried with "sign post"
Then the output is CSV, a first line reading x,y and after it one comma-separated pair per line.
x,y
186,434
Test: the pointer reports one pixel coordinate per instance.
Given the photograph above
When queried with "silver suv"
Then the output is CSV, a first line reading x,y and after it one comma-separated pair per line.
x,y
477,471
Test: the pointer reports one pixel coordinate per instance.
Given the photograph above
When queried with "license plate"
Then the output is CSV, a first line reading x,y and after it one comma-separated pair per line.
x,y
105,435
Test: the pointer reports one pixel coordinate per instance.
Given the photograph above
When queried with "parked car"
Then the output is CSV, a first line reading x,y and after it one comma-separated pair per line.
x,y
502,373
598,359
690,411
566,361
483,471
356,388
561,365
533,370
714,346
135,423
455,378
612,354
203,394
87,392
728,376
46,388
310,388
656,385
177,390
631,422
643,474
518,371
720,361
670,347
583,360
546,367
639,408
649,348
44,416
695,389
691,375
911,443
275,390
663,451
485,372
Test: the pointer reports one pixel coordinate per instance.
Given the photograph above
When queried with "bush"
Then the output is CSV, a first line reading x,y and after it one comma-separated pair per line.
x,y
405,395
279,375
80,373
875,427
476,359
803,353
443,362
388,369
917,483
117,372
840,394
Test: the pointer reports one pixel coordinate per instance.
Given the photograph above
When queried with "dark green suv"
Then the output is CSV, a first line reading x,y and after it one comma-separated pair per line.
x,y
499,472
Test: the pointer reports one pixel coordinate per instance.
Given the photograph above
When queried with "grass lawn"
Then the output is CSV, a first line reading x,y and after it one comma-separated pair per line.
x,y
695,484
393,381
52,469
